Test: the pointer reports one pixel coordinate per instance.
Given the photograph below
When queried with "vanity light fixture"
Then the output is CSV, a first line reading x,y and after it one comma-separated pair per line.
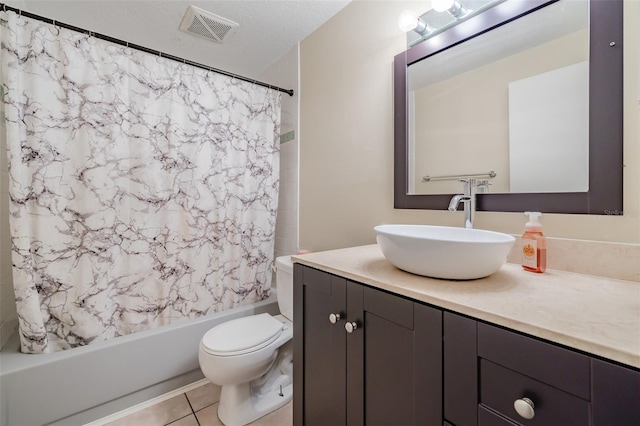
x,y
453,7
410,21
433,22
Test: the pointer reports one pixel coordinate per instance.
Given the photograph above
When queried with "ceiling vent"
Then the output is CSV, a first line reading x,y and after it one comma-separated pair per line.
x,y
206,25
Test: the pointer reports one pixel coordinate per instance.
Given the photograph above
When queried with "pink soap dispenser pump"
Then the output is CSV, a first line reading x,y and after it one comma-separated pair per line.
x,y
534,245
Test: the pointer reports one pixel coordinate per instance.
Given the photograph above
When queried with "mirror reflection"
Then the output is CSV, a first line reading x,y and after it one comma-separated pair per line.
x,y
513,101
444,15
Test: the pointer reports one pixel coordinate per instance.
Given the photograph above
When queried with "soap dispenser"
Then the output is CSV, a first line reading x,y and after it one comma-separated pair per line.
x,y
534,245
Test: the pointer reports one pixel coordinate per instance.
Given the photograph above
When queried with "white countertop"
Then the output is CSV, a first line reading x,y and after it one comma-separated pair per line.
x,y
597,315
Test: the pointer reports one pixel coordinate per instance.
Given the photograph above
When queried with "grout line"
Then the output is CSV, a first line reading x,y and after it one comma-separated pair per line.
x,y
189,402
183,417
193,412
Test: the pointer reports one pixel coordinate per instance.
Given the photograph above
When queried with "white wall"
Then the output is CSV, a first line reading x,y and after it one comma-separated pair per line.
x,y
346,150
284,73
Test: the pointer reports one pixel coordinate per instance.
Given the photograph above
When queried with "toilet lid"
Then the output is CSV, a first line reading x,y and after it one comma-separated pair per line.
x,y
242,335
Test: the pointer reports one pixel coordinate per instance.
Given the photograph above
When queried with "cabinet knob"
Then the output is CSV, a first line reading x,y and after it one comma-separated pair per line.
x,y
334,318
525,408
351,326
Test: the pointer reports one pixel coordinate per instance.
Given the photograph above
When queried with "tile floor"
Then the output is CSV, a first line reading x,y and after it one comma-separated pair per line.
x,y
197,407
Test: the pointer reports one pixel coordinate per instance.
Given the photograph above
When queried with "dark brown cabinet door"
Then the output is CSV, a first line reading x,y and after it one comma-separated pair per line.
x,y
460,370
378,364
616,394
319,348
402,361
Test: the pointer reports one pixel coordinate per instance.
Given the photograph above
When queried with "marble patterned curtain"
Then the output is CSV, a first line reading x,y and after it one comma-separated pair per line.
x,y
142,191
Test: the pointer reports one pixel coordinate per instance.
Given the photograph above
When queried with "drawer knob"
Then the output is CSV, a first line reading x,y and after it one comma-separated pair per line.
x,y
334,318
351,327
525,408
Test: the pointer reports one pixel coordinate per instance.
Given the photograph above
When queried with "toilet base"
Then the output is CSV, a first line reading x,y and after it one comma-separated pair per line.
x,y
244,403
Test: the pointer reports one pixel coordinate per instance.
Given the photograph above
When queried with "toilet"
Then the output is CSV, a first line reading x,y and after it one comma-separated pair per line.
x,y
252,357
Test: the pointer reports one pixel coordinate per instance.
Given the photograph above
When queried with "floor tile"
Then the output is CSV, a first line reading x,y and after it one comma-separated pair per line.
x,y
281,417
204,396
159,414
185,421
209,416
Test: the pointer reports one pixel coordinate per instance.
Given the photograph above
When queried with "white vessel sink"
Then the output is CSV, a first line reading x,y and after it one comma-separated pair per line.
x,y
443,251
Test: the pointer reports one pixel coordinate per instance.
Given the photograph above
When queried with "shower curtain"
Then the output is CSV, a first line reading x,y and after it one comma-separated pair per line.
x,y
142,191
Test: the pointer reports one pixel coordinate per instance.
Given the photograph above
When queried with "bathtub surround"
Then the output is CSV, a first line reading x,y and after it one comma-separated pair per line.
x,y
287,222
285,73
143,191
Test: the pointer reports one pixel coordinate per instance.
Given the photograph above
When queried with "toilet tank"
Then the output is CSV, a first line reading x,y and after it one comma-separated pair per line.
x,y
284,285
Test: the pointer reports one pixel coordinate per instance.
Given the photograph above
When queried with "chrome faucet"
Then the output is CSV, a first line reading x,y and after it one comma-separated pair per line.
x,y
468,199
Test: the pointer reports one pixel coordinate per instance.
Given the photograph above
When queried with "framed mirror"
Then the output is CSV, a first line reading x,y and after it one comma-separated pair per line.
x,y
531,91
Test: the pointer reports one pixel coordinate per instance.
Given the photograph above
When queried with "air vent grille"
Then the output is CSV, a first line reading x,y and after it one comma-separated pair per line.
x,y
207,25
199,29
218,28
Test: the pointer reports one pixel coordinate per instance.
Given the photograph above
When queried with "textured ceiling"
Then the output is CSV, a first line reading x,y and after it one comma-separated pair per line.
x,y
267,30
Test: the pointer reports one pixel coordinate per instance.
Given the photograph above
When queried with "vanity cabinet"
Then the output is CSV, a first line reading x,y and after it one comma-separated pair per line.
x,y
363,356
487,369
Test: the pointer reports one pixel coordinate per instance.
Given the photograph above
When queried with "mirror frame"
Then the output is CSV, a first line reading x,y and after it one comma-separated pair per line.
x,y
605,115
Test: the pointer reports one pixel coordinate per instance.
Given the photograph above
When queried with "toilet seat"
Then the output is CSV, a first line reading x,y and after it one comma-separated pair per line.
x,y
242,335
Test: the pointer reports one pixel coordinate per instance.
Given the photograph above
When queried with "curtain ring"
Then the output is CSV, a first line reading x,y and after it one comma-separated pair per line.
x,y
159,58
91,40
57,30
127,49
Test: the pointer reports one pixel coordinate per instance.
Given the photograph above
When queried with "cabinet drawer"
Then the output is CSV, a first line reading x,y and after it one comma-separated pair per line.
x,y
500,387
547,363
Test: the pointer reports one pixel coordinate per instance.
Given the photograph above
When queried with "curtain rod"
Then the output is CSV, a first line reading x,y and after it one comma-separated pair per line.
x,y
4,7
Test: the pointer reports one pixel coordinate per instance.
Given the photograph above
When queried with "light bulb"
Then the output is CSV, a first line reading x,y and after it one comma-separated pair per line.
x,y
408,20
441,5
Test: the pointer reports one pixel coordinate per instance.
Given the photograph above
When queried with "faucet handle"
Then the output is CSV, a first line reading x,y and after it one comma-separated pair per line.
x,y
470,185
483,186
470,181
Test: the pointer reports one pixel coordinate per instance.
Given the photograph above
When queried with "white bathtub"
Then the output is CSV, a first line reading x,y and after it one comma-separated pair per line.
x,y
84,384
